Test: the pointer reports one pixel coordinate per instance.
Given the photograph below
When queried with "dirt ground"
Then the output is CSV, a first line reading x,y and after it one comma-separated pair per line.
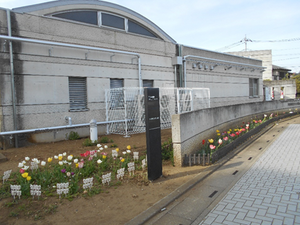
x,y
114,205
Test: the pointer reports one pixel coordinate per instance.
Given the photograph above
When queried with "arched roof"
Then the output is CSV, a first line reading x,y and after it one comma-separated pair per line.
x,y
47,8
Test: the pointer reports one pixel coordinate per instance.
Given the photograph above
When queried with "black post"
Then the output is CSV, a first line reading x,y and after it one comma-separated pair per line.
x,y
153,135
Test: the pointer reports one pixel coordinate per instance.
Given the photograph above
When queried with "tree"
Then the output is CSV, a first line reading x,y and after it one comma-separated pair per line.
x,y
297,78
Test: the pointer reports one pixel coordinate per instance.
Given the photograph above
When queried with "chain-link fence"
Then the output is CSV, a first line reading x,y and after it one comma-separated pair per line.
x,y
129,104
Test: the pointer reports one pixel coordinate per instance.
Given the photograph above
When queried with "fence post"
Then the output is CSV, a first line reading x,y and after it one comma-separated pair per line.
x,y
125,108
106,110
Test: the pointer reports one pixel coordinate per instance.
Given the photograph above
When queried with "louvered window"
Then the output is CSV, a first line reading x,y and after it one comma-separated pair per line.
x,y
77,94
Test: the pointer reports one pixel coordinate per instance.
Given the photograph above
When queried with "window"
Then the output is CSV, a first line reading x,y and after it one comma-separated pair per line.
x,y
105,19
117,95
137,29
77,94
112,21
80,16
147,83
253,87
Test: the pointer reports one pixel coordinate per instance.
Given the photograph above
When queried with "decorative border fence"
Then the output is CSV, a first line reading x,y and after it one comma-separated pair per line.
x,y
129,104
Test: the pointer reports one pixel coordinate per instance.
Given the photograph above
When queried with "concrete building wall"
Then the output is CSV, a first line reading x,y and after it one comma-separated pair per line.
x,y
264,55
228,80
202,124
42,71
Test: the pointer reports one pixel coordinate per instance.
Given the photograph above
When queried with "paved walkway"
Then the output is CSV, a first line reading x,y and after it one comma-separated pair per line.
x,y
268,193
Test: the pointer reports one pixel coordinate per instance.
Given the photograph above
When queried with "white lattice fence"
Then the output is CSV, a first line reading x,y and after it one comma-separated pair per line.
x,y
129,104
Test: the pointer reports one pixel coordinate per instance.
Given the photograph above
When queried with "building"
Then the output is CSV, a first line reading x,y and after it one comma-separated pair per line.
x,y
60,57
273,88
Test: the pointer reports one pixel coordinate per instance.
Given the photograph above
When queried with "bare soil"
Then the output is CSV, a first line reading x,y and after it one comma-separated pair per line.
x,y
114,205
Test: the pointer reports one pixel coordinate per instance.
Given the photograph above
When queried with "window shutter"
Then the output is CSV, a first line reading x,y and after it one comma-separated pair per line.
x,y
77,93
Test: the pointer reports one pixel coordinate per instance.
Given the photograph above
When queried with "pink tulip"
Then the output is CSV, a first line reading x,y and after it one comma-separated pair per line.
x,y
212,147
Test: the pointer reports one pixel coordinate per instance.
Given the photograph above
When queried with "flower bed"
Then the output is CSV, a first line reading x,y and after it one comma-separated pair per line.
x,y
96,166
229,140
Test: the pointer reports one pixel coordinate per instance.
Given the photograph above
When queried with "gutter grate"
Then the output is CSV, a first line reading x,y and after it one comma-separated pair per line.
x,y
212,194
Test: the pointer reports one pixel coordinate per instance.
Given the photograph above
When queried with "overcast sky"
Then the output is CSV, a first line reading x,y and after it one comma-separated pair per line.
x,y
216,24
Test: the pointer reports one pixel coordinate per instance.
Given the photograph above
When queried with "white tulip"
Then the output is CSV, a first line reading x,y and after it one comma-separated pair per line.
x,y
60,163
55,157
70,157
128,151
99,161
24,162
124,153
75,161
64,154
98,145
27,158
25,168
101,149
105,146
43,163
20,165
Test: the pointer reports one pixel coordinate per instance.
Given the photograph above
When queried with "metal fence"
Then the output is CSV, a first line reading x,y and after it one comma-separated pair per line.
x,y
129,104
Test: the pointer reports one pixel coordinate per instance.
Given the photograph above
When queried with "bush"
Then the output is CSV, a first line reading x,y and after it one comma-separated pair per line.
x,y
167,151
104,140
88,142
73,135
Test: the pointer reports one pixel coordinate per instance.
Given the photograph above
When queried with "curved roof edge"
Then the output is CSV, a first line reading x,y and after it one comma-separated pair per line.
x,y
41,6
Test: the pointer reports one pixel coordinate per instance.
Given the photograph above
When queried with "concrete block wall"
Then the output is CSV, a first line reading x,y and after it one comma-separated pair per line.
x,y
189,129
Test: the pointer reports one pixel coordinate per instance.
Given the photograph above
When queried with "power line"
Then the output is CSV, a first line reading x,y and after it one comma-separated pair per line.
x,y
282,40
245,40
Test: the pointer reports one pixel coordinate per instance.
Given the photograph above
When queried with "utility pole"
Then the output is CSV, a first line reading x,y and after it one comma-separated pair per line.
x,y
245,40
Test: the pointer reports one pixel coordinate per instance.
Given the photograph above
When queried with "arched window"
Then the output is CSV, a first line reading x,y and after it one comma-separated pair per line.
x,y
106,20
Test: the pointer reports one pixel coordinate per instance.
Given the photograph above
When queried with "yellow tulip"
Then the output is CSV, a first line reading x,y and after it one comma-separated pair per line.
x,y
50,159
60,158
28,178
218,134
211,141
217,131
76,165
122,160
128,147
24,175
117,149
104,157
